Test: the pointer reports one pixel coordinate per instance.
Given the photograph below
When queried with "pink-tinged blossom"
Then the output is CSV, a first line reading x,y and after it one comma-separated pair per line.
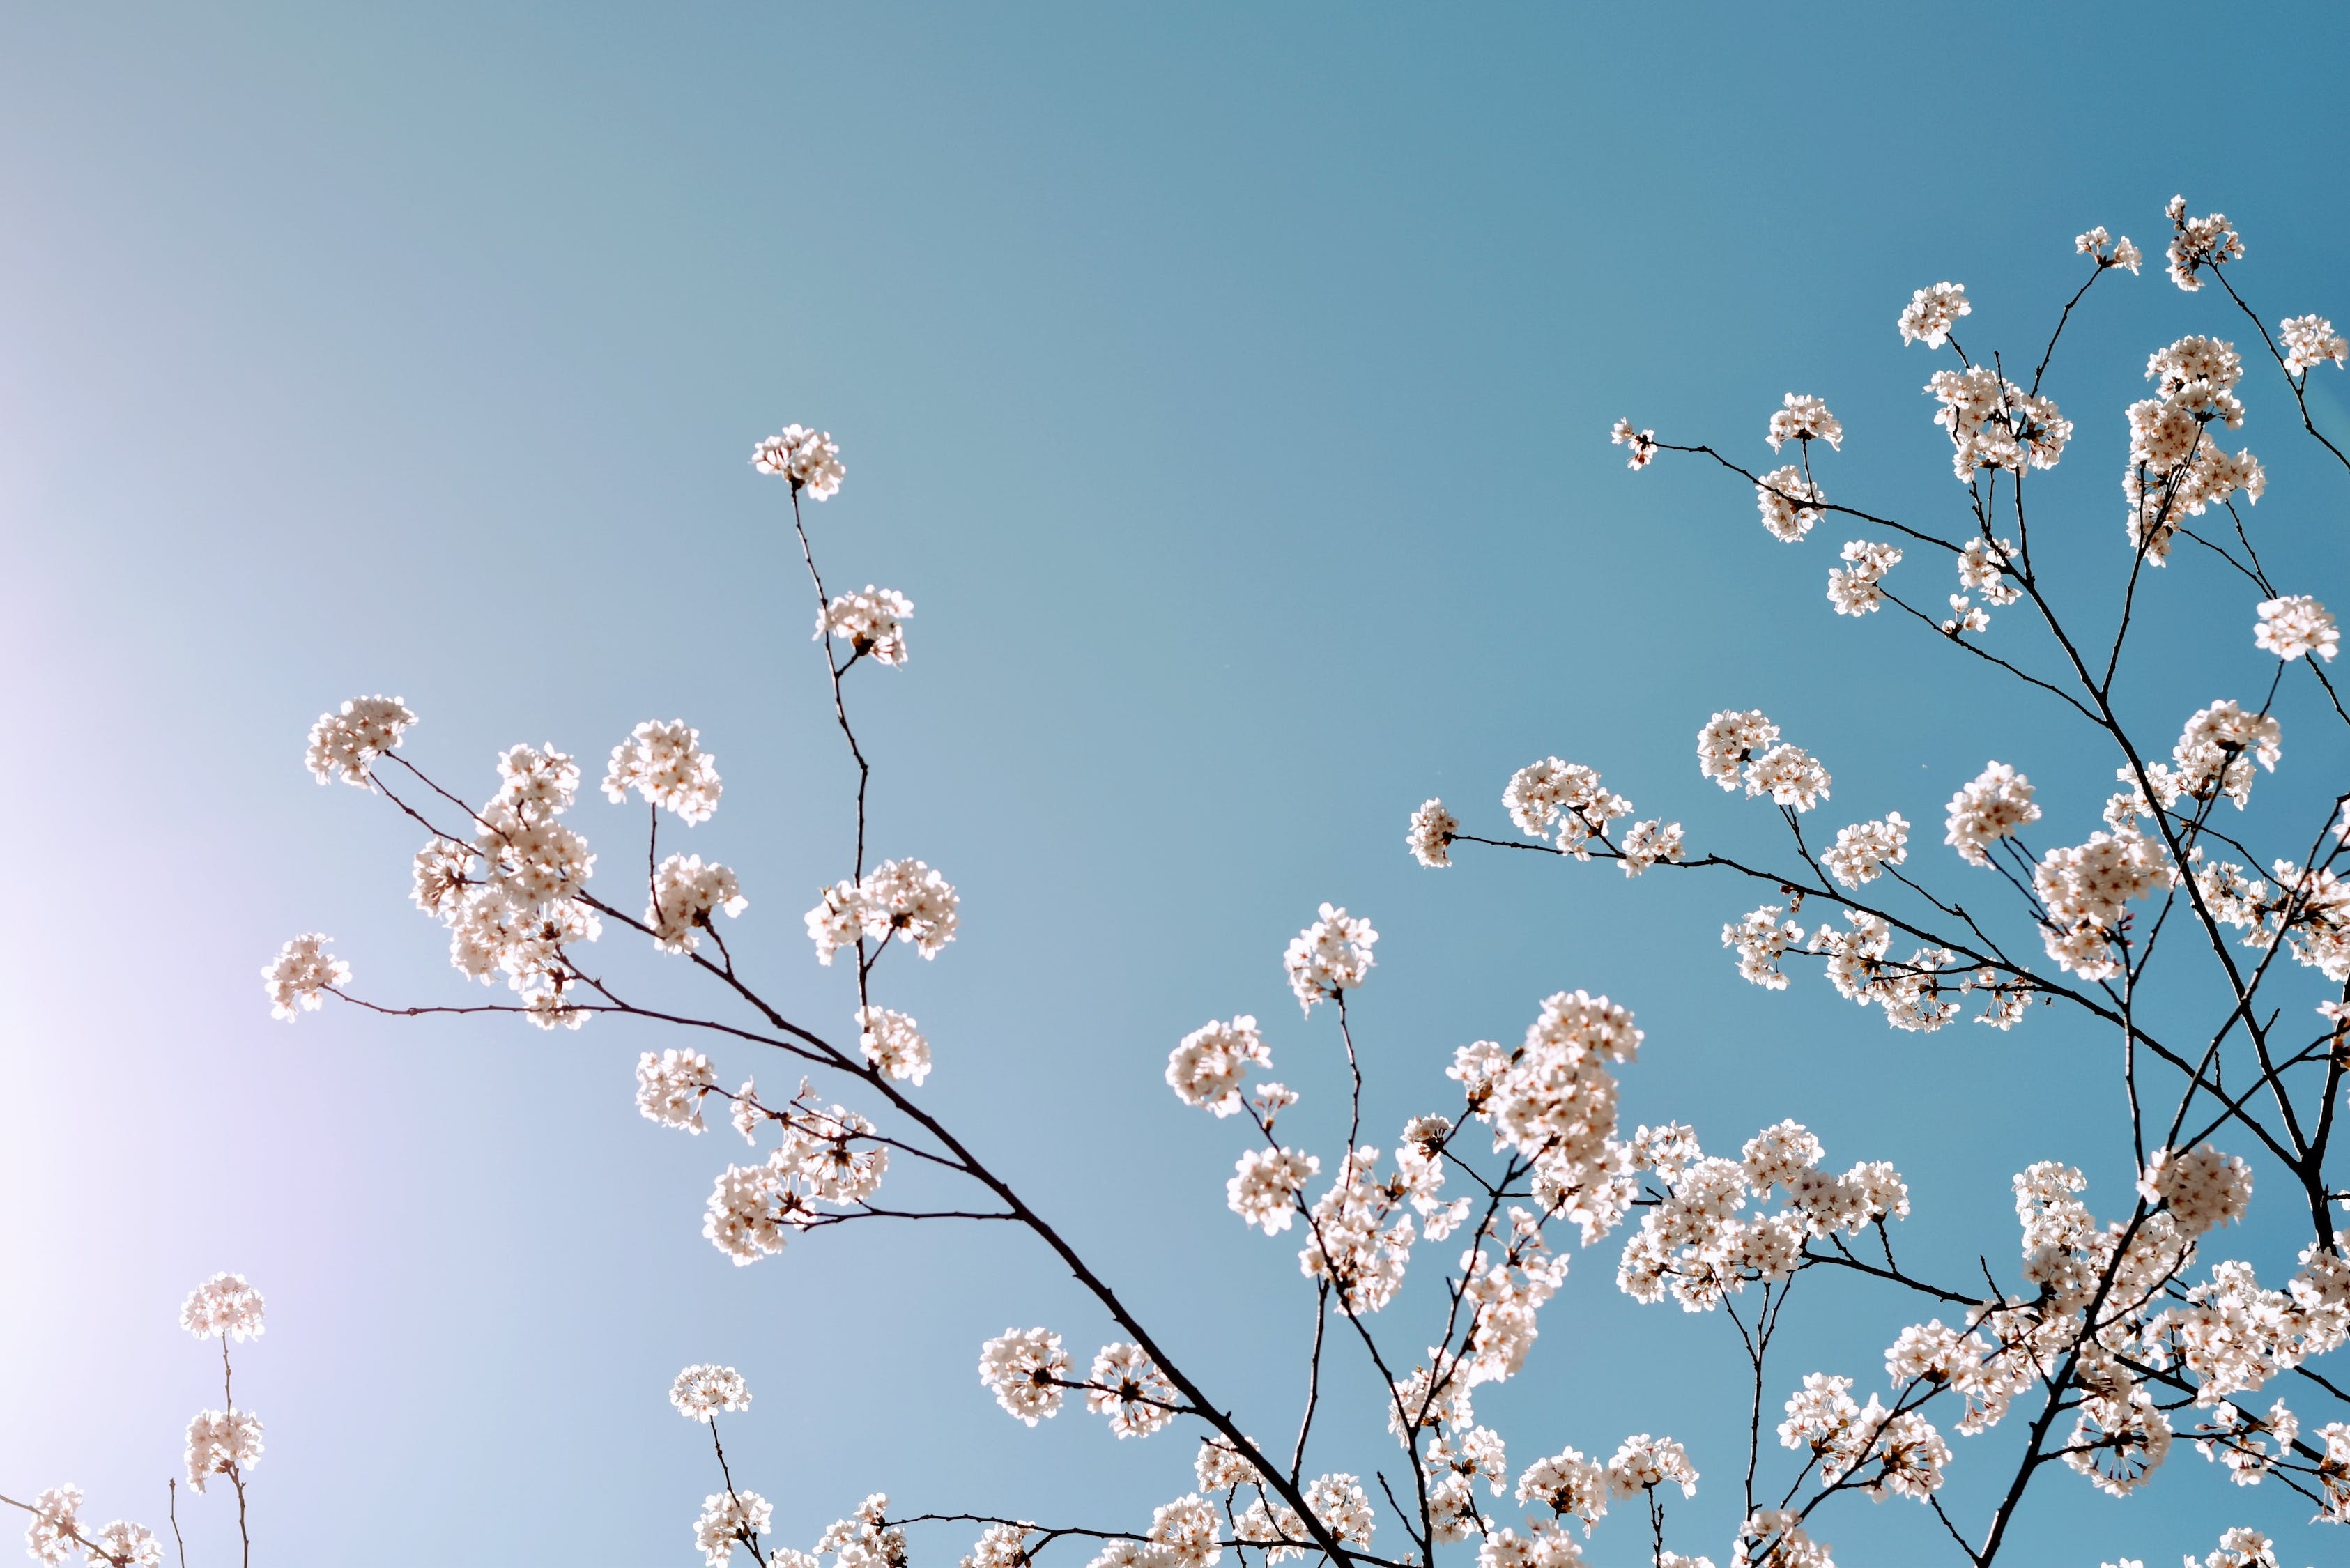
x,y
224,1305
904,898
685,894
1804,417
1853,587
704,1389
730,1518
346,744
222,1442
671,1085
1128,1388
808,458
1992,805
2108,251
666,765
894,1046
1565,795
1729,739
2203,1188
1932,312
1431,834
1789,503
1209,1065
1026,1370
2297,626
2198,243
303,972
870,622
2310,341
1330,956
1642,442
1266,1184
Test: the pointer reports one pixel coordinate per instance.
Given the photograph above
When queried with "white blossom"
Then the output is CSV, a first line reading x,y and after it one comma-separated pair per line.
x,y
1989,807
1430,837
808,458
702,1390
893,1044
1026,1370
685,894
346,744
1930,313
870,622
1789,503
224,1305
221,1442
2309,341
2294,626
666,765
1804,417
303,972
1330,956
1208,1066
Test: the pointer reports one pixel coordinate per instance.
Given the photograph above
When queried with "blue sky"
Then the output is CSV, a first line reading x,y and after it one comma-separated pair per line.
x,y
1228,388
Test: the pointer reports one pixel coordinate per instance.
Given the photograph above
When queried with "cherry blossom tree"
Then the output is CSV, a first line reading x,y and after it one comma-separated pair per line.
x,y
2086,1352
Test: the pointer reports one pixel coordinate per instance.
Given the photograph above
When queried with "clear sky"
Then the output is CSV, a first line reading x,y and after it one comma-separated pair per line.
x,y
1227,386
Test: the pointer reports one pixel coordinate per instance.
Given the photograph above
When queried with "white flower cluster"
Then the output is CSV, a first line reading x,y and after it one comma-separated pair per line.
x,y
298,979
826,1156
1125,1384
1566,796
1430,834
808,458
511,898
1931,313
1862,851
1264,1186
1984,564
728,1518
1789,502
891,1043
1330,956
1853,587
2198,243
221,1443
1994,423
2084,889
869,623
2176,470
2310,341
2201,1187
1642,442
2297,626
224,1305
1990,806
1789,775
344,745
1027,1371
1695,1246
2108,251
2215,754
1208,1066
1906,1451
685,894
702,1390
56,1532
1804,417
901,897
666,765
2311,909
671,1088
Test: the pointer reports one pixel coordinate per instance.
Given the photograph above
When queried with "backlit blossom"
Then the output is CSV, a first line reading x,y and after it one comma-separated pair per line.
x,y
702,1390
902,897
1430,837
870,622
685,894
806,457
1789,775
1759,938
1646,842
1932,312
50,1535
1642,1462
671,1088
1642,442
1025,1369
1853,586
2202,1187
221,1441
1208,1066
2108,251
1128,1387
1984,564
1332,955
730,1518
1729,739
1989,807
346,744
1994,423
1804,417
2309,341
303,972
891,1044
2198,243
224,1305
1863,850
665,764
2294,626
1565,795
1266,1184
1789,503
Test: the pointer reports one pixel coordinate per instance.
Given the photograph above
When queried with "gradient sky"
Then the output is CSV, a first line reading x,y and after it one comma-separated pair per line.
x,y
1228,387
